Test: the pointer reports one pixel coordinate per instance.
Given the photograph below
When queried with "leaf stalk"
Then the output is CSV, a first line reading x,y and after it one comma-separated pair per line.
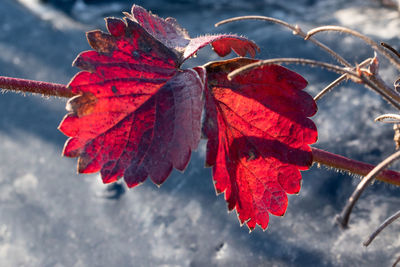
x,y
353,166
36,87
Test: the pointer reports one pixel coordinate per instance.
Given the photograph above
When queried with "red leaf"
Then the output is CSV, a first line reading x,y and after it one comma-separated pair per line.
x,y
222,45
167,31
173,36
137,114
258,137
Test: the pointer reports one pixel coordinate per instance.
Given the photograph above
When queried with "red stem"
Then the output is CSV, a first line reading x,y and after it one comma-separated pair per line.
x,y
353,166
45,88
320,156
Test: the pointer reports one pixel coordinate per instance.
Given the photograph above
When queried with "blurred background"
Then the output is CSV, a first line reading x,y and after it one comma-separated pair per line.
x,y
50,216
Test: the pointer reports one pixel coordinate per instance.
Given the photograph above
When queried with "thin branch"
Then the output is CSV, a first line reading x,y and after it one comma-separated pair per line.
x,y
336,82
386,223
353,166
295,29
396,262
387,93
394,51
388,118
357,77
44,88
343,218
315,63
270,19
378,82
383,93
330,87
366,39
373,82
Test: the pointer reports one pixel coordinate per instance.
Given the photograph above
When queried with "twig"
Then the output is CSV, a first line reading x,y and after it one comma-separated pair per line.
x,y
296,30
386,223
343,218
396,262
395,118
330,87
373,82
394,51
366,39
379,83
390,96
44,88
337,82
315,63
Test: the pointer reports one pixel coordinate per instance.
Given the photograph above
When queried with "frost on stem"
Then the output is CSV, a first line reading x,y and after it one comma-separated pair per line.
x,y
353,166
296,31
394,60
36,87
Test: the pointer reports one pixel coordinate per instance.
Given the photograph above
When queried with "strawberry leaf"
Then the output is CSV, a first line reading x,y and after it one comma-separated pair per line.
x,y
258,137
137,114
168,32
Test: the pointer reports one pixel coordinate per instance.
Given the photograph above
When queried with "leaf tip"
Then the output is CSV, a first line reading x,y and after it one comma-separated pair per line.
x,y
101,41
115,26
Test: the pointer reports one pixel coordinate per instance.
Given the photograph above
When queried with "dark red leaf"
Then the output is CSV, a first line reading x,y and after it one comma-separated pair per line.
x,y
137,114
258,137
173,36
167,31
222,45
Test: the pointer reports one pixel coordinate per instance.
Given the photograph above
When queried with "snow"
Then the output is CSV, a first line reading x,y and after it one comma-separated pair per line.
x,y
50,216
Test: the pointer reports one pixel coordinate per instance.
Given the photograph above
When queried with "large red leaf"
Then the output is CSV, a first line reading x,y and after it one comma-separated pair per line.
x,y
258,137
137,114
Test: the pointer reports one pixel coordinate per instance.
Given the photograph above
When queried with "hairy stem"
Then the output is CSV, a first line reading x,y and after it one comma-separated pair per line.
x,y
37,87
343,218
353,166
377,80
303,61
295,29
336,82
384,91
366,39
319,156
388,94
328,88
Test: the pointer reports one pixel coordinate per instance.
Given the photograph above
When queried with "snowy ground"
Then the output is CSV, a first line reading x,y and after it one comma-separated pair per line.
x,y
50,216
